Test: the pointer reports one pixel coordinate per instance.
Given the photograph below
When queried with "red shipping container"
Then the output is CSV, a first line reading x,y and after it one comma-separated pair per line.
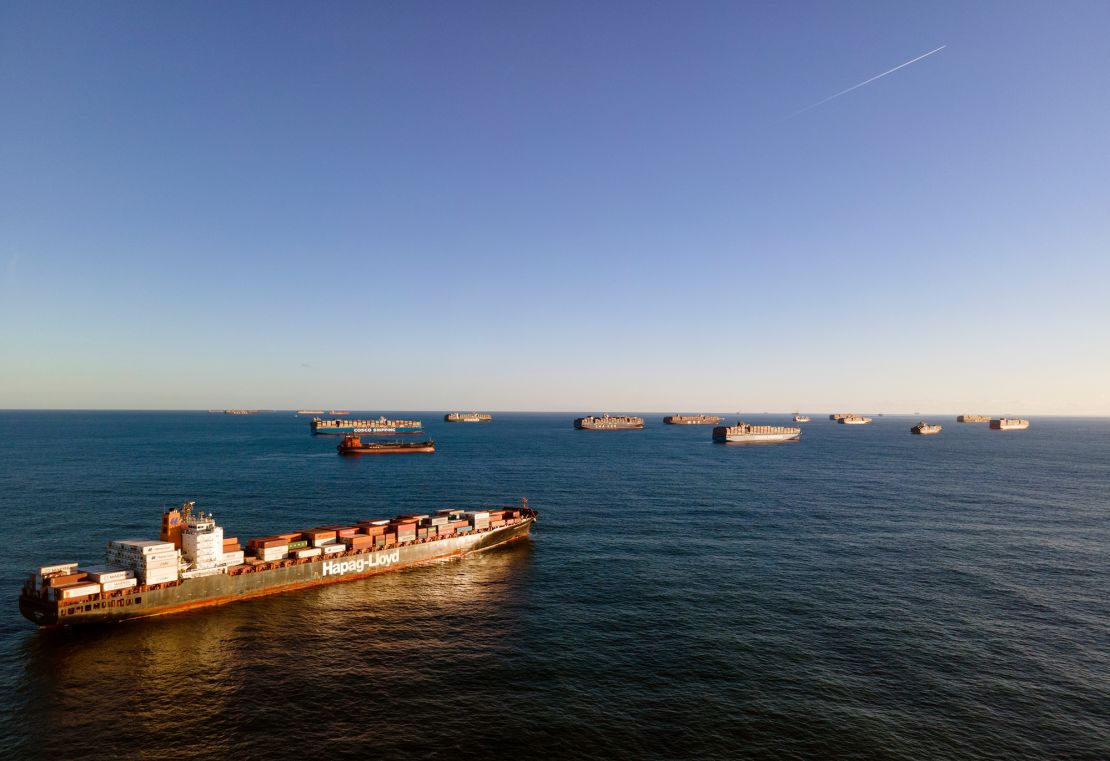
x,y
374,530
61,581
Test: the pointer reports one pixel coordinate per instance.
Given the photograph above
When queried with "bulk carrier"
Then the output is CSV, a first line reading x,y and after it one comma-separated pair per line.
x,y
381,425
193,565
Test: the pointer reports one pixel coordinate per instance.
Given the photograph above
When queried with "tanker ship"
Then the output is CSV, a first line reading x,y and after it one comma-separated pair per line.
x,y
608,422
1009,424
352,444
691,420
742,433
194,565
381,425
467,417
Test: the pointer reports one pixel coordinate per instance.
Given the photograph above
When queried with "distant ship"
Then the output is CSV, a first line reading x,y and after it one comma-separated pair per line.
x,y
800,418
608,422
853,420
467,417
837,415
691,420
973,419
742,433
381,425
338,412
1009,424
240,412
924,429
354,445
310,412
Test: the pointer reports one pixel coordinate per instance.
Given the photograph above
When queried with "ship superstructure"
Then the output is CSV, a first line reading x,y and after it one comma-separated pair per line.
x,y
193,565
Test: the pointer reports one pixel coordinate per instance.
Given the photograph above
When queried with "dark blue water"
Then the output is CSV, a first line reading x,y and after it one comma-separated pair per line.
x,y
864,593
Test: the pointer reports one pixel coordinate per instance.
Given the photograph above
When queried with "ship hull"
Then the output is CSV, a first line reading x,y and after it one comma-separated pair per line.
x,y
997,426
758,438
389,450
364,430
281,576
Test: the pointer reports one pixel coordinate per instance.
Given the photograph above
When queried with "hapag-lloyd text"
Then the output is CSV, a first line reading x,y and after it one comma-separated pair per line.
x,y
371,561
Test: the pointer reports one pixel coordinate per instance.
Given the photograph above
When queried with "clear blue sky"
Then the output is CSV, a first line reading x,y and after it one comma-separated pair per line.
x,y
595,206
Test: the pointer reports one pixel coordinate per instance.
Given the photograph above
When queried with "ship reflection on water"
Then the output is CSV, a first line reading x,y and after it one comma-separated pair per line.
x,y
204,673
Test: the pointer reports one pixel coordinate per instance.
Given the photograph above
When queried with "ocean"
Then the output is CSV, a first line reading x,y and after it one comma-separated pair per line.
x,y
861,594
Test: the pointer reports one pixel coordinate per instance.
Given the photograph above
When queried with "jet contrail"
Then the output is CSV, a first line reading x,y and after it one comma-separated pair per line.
x,y
866,82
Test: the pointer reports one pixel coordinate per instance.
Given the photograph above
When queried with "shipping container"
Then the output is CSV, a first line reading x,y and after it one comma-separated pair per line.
x,y
331,549
112,586
300,544
308,552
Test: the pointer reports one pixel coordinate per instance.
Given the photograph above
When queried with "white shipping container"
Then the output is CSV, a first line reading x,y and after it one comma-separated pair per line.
x,y
142,546
308,552
78,590
322,542
102,574
62,568
273,553
112,586
159,578
233,558
331,549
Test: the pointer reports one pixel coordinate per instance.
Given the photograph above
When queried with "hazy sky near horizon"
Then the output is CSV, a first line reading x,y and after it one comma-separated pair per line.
x,y
563,206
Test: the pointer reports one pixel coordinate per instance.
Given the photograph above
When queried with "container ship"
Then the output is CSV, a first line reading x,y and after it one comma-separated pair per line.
x,y
381,425
608,422
742,433
352,444
310,412
837,415
194,565
924,429
1009,424
800,418
467,417
240,412
853,420
691,420
973,419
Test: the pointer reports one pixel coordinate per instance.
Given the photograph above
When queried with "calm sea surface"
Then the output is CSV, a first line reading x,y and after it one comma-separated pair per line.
x,y
864,593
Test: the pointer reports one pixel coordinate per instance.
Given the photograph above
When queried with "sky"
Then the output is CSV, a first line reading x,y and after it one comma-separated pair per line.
x,y
641,206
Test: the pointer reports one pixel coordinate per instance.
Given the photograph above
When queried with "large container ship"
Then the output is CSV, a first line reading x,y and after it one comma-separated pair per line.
x,y
742,433
924,429
973,418
1009,424
381,425
193,565
691,420
467,417
853,420
608,422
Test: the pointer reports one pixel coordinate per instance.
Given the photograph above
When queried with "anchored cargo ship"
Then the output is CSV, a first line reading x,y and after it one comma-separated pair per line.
x,y
837,415
381,425
608,422
742,433
924,429
691,420
800,418
853,420
310,412
467,417
1009,424
352,444
194,566
973,419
